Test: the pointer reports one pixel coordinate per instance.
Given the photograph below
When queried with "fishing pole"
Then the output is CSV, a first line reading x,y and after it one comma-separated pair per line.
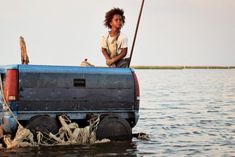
x,y
136,31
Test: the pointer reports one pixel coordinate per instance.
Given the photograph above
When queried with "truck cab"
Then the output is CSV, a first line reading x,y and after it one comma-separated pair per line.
x,y
33,90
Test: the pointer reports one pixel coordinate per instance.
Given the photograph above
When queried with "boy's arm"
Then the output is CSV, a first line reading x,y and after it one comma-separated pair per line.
x,y
120,56
105,53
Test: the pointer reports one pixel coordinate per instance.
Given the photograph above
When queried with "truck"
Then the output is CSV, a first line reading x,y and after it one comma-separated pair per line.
x,y
34,91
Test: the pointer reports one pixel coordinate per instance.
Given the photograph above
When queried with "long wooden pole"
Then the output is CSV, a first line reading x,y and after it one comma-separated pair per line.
x,y
136,31
24,55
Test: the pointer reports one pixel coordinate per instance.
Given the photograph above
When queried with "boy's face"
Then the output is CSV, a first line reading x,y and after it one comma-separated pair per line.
x,y
117,21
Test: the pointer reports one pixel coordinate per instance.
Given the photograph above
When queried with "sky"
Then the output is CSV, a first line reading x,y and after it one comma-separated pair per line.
x,y
171,32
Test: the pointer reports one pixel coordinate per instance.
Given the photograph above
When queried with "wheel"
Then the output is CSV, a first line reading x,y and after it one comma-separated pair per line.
x,y
43,123
114,128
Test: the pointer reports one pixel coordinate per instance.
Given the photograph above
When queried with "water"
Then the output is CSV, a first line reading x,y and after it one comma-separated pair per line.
x,y
188,112
185,112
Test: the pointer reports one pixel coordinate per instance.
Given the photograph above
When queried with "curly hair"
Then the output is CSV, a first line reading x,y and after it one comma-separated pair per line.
x,y
109,16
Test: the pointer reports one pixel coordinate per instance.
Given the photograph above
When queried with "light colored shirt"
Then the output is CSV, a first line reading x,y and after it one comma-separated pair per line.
x,y
113,45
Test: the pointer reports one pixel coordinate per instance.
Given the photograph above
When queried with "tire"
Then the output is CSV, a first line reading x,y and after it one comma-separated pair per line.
x,y
115,128
43,123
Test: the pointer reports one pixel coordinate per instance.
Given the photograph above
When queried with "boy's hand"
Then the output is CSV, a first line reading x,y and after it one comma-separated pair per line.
x,y
109,61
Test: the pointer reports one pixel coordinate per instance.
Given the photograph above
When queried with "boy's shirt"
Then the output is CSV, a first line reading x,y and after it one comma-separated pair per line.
x,y
113,45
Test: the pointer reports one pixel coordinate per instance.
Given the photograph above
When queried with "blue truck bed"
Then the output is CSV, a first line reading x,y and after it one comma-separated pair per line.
x,y
72,90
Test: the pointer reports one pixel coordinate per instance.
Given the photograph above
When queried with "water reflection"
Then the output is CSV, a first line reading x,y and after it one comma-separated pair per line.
x,y
127,149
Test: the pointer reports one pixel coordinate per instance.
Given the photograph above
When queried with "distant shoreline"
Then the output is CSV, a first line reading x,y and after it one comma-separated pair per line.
x,y
183,67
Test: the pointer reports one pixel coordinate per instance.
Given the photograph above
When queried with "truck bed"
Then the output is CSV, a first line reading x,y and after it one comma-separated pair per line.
x,y
75,91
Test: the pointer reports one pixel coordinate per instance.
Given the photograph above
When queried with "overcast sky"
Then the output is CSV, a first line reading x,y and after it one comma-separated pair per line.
x,y
172,32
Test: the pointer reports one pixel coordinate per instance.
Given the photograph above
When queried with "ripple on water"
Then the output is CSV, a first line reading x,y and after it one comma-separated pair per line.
x,y
193,112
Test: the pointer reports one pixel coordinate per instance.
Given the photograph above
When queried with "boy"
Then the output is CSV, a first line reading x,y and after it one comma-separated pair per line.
x,y
114,44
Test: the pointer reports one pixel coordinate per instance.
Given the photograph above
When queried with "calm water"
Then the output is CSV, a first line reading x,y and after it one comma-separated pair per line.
x,y
185,112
